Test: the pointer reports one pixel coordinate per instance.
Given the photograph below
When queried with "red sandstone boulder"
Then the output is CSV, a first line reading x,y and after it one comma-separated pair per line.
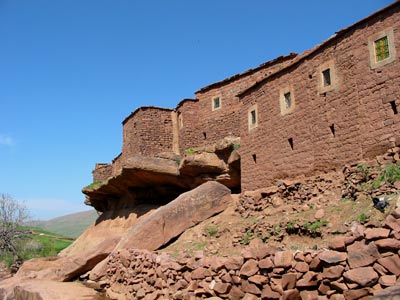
x,y
52,290
283,259
388,244
170,220
391,263
199,163
249,268
376,233
332,257
365,276
361,255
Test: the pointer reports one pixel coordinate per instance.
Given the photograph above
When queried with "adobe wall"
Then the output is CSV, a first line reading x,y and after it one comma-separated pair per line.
x,y
202,125
353,121
147,131
102,172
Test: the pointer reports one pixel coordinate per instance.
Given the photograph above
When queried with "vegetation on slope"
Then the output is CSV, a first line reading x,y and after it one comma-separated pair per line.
x,y
34,243
72,225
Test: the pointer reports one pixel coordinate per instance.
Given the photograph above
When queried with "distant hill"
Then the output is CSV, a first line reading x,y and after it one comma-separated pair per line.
x,y
69,225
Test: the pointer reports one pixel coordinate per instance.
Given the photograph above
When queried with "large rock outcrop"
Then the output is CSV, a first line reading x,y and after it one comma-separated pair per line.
x,y
52,290
173,219
170,220
140,179
144,228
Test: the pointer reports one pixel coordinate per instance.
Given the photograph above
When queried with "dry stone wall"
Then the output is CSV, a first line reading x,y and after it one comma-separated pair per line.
x,y
354,120
102,172
357,265
148,131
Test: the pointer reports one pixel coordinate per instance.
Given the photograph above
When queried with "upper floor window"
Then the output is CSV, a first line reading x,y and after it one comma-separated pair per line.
x,y
381,48
216,103
286,101
252,117
327,77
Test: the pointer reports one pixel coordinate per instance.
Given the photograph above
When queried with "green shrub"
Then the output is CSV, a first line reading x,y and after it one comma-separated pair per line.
x,y
362,218
236,146
94,185
212,230
247,237
190,151
313,227
390,174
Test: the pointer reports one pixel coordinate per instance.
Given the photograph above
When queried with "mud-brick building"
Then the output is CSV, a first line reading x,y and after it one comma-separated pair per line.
x,y
335,104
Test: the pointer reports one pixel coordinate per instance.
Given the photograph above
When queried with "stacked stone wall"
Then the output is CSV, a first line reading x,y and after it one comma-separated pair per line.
x,y
357,265
326,130
102,172
148,131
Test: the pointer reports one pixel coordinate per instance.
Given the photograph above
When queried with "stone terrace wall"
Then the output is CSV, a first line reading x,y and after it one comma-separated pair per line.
x,y
202,125
353,121
147,131
357,265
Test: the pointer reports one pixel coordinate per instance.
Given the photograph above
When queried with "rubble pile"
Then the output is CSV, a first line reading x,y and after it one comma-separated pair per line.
x,y
291,195
358,264
366,179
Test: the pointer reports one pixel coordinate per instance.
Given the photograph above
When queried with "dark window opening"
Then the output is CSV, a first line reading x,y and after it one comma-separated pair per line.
x,y
253,117
290,140
332,128
216,103
309,76
205,135
288,100
394,107
254,158
326,75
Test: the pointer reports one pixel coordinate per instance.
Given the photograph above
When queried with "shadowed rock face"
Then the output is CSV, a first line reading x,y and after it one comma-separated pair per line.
x,y
160,180
172,219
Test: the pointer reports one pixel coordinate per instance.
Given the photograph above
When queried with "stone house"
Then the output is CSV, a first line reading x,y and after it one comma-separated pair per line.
x,y
335,104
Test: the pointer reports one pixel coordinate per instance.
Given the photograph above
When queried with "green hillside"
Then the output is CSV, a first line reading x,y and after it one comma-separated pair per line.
x,y
69,225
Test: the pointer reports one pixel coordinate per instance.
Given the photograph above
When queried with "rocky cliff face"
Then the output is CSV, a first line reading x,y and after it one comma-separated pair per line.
x,y
158,180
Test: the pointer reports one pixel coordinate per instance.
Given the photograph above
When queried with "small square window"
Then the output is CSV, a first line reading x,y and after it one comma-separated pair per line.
x,y
252,117
288,100
216,103
381,48
326,75
327,80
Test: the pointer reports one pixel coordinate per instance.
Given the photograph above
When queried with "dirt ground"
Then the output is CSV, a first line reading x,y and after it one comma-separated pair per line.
x,y
284,223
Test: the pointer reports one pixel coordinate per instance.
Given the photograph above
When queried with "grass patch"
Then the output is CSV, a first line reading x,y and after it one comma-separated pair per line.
x,y
212,230
362,218
94,185
248,236
390,174
235,146
190,151
39,244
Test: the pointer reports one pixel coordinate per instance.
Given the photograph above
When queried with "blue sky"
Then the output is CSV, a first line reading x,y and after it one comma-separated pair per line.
x,y
72,70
